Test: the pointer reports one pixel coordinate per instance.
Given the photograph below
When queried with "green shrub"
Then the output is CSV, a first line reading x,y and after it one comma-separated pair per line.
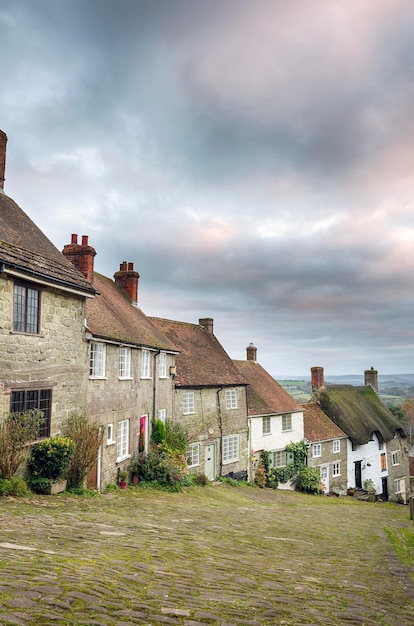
x,y
51,457
39,484
18,487
308,480
176,436
159,432
162,464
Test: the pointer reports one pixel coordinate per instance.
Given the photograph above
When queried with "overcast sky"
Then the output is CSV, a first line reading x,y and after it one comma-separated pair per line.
x,y
254,159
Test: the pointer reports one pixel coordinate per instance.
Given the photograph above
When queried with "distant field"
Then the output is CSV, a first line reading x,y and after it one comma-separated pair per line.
x,y
392,390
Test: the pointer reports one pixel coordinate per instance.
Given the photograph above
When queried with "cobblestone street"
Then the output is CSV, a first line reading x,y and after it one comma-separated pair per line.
x,y
214,555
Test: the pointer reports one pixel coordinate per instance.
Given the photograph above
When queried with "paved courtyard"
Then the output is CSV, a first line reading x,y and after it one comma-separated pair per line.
x,y
214,555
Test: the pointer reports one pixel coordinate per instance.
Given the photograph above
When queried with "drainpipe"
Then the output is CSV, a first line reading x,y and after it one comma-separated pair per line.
x,y
154,386
220,420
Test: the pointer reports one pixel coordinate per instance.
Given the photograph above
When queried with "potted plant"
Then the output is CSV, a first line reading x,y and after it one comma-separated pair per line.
x,y
48,462
122,478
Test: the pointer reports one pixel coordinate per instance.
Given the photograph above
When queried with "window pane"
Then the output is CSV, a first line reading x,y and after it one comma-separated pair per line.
x,y
25,309
163,365
27,400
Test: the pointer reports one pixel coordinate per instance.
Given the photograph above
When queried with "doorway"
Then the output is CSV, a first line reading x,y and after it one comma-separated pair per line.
x,y
210,461
358,475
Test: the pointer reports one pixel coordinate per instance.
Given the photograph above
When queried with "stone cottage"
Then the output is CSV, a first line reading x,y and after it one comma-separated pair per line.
x,y
210,399
377,443
131,365
275,418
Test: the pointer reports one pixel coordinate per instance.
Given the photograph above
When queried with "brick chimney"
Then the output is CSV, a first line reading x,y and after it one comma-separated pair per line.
x,y
317,378
251,352
371,378
208,324
81,255
127,280
3,142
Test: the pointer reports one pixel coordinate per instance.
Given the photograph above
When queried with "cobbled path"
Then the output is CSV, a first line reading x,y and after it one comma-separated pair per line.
x,y
216,555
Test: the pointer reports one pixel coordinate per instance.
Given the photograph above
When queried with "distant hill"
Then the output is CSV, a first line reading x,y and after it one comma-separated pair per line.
x,y
393,389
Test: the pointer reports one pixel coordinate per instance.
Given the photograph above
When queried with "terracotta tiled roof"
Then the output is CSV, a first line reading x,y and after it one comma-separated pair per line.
x,y
110,315
202,361
24,248
264,394
359,412
318,426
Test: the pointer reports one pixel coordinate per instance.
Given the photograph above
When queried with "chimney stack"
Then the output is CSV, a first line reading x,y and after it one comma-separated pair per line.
x,y
3,142
81,255
317,378
127,280
251,352
371,378
208,324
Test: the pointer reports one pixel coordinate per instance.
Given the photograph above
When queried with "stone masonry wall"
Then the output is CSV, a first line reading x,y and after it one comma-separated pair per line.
x,y
111,400
55,359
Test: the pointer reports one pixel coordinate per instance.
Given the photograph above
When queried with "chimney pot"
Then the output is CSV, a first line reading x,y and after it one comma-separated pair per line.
x,y
371,379
317,378
3,143
127,280
208,324
82,256
251,352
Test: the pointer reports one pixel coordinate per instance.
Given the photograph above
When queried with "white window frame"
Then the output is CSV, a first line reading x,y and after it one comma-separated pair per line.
x,y
230,449
145,364
163,365
110,435
336,469
231,399
336,446
286,422
188,402
97,360
399,485
162,415
395,460
266,425
316,450
193,455
122,441
124,369
281,458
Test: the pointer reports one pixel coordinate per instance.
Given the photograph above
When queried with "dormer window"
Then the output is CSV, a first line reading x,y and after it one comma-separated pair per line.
x,y
26,308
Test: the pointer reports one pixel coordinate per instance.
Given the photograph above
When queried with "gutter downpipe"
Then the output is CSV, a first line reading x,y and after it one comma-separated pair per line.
x,y
154,388
220,421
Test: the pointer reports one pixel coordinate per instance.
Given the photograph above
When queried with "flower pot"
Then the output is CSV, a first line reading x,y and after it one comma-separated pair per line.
x,y
122,484
56,486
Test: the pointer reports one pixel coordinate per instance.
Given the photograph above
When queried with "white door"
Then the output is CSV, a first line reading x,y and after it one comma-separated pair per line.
x,y
324,469
210,461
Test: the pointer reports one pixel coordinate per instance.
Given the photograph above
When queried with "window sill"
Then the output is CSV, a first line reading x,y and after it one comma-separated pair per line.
x,y
146,377
125,378
98,378
123,458
266,434
110,442
230,461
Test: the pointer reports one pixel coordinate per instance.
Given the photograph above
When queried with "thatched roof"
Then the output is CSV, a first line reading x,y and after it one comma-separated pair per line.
x,y
359,412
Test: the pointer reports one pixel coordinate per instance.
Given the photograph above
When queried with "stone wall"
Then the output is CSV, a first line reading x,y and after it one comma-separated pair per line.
x,y
55,358
111,400
212,421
